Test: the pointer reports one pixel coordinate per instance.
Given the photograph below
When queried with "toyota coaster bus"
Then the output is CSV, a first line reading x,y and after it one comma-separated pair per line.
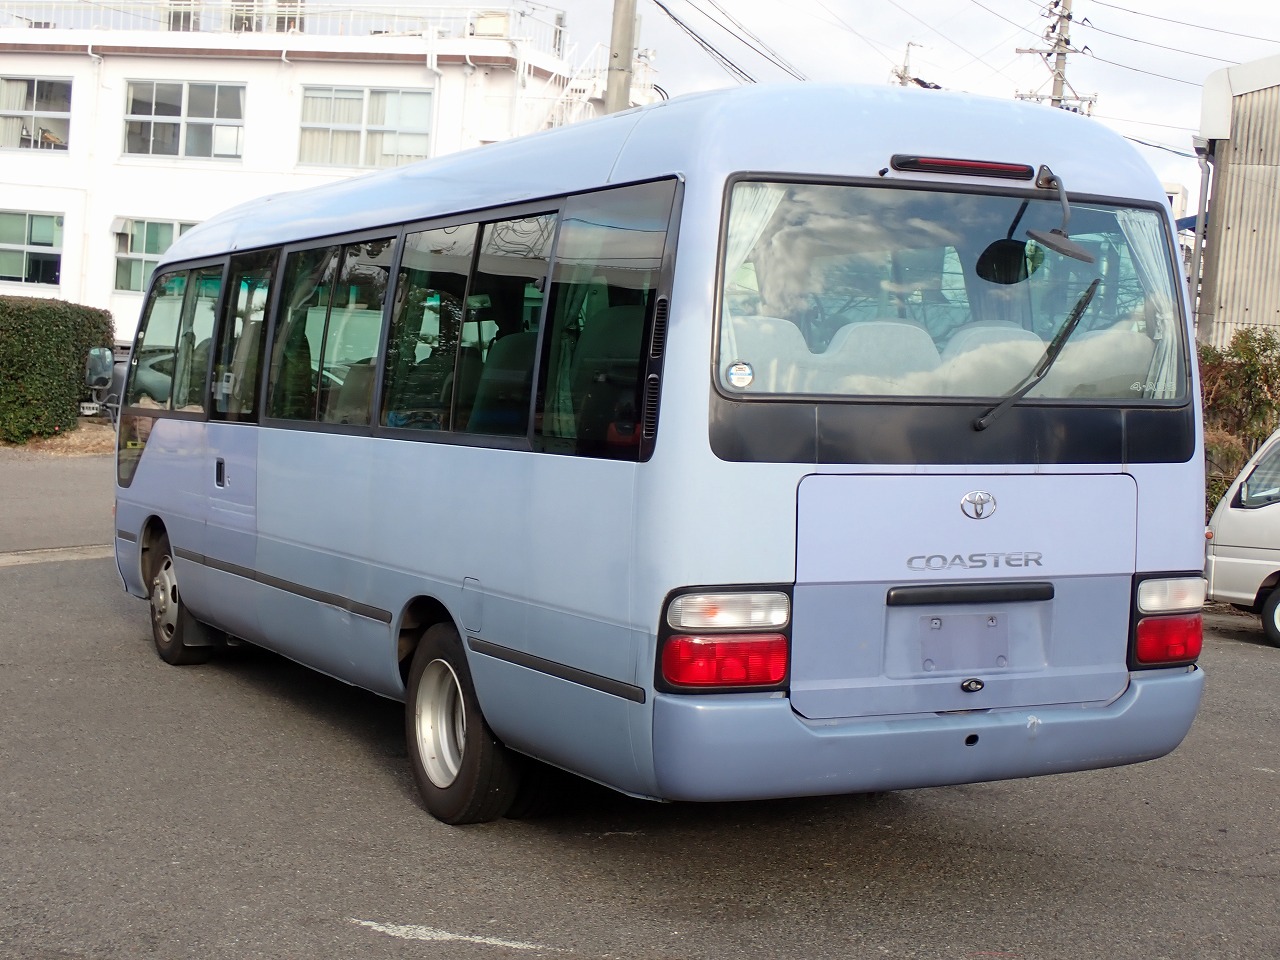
x,y
774,442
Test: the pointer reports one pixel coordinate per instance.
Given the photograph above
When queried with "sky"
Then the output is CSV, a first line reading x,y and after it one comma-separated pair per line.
x,y
1145,60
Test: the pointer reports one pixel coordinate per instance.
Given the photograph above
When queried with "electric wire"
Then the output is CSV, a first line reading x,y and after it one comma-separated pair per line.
x,y
1184,23
749,39
723,61
1150,43
844,23
950,40
1125,66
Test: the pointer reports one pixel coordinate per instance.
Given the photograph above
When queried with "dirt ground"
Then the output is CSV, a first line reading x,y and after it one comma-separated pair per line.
x,y
91,437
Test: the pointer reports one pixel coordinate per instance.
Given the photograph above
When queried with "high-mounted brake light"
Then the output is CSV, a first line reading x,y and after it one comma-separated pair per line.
x,y
967,168
725,660
1163,641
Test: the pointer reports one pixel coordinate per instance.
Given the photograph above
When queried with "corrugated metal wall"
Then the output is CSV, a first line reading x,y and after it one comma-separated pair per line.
x,y
1241,279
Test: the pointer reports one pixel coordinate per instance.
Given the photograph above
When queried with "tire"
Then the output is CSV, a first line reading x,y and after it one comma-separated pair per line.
x,y
1271,617
463,773
179,638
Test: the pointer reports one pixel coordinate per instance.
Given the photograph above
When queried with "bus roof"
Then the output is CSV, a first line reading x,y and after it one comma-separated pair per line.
x,y
793,129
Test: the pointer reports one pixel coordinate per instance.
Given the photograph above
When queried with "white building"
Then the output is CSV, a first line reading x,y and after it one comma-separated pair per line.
x,y
122,123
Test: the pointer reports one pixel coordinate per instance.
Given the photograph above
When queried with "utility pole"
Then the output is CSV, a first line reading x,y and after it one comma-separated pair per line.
x,y
903,74
1058,35
622,45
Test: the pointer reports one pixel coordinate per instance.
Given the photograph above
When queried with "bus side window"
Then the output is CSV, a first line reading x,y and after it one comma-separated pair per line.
x,y
348,356
154,358
505,297
300,321
195,336
240,339
607,266
426,323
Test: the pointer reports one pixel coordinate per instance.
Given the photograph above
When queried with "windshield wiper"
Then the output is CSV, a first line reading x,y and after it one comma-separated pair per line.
x,y
1042,368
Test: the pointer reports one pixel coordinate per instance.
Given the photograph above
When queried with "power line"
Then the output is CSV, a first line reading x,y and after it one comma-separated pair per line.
x,y
950,40
724,62
1149,123
1149,43
844,23
749,39
1183,23
1161,76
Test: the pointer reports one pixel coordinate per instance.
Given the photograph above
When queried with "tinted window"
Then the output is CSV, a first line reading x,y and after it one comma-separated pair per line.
x,y
195,337
500,323
607,266
151,366
330,319
295,358
854,291
422,349
239,353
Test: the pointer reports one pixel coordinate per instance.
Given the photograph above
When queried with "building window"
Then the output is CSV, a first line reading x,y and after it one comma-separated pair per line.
x,y
30,247
139,245
350,127
35,113
185,119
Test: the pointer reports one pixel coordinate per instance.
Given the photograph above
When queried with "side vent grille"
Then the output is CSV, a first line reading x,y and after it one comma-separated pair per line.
x,y
659,341
650,407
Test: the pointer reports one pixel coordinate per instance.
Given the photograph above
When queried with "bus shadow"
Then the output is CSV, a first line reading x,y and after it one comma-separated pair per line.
x,y
839,845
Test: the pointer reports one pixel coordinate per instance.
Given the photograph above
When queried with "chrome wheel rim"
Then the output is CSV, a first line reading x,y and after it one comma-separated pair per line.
x,y
164,600
440,722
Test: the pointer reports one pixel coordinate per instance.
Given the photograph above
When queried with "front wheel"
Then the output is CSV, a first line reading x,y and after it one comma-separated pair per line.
x,y
1271,617
179,638
463,773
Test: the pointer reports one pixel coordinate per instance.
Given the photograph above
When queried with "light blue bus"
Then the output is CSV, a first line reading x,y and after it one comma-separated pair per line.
x,y
776,442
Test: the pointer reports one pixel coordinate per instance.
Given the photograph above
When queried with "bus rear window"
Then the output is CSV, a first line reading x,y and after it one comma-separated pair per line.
x,y
856,291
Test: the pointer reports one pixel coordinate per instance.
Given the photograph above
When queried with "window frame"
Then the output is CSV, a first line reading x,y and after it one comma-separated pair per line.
x,y
32,131
28,247
184,120
1177,321
364,127
148,261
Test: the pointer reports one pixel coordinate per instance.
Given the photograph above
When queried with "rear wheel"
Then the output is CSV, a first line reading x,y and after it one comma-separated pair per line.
x,y
1271,617
464,774
179,638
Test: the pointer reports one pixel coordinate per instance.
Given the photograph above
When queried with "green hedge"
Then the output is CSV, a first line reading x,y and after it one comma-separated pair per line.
x,y
43,348
1241,387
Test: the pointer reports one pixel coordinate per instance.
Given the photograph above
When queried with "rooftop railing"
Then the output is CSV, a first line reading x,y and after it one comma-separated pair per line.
x,y
543,29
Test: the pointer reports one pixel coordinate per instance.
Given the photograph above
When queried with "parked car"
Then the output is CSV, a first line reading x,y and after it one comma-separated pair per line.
x,y
1242,560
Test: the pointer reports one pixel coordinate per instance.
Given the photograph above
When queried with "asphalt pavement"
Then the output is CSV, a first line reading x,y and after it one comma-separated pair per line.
x,y
250,808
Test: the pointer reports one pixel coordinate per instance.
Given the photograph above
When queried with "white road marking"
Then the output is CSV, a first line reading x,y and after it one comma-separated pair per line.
x,y
402,931
19,558
1264,769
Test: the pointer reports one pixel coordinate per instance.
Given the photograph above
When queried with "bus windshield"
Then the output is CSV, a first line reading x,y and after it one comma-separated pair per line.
x,y
847,291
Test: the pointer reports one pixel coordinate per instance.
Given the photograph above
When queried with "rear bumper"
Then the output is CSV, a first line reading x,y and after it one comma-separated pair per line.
x,y
752,747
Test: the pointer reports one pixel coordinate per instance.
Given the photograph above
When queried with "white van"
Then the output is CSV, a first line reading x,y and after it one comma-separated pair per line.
x,y
1242,562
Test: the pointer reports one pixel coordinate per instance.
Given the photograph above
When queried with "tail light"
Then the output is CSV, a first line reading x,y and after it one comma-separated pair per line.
x,y
1168,629
725,640
1161,641
729,660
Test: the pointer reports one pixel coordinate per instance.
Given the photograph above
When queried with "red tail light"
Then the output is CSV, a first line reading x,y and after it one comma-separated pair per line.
x,y
725,660
1168,640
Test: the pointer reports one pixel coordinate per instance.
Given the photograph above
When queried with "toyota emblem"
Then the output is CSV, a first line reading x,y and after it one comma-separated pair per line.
x,y
978,504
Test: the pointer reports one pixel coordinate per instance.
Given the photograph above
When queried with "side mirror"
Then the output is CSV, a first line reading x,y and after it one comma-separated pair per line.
x,y
98,367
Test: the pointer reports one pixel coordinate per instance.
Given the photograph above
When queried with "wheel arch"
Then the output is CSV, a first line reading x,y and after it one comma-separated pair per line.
x,y
153,529
1264,589
419,615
